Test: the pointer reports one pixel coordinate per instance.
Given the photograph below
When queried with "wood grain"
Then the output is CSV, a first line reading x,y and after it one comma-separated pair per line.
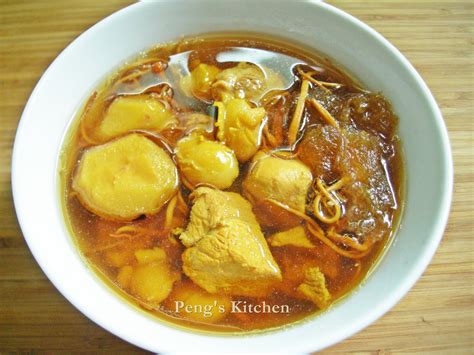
x,y
437,316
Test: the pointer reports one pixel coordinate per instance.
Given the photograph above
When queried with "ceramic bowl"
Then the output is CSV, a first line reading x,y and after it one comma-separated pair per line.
x,y
359,49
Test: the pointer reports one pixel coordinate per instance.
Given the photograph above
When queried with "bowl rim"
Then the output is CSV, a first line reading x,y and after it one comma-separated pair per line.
x,y
380,309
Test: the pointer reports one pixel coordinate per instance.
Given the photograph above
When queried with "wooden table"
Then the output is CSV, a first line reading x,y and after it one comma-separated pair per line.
x,y
438,313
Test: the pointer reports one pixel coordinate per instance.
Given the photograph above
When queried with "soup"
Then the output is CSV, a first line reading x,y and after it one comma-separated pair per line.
x,y
232,182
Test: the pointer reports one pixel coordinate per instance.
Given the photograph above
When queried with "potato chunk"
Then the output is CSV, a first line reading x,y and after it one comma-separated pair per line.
x,y
118,257
151,281
200,81
193,303
284,180
144,256
125,178
124,276
239,127
204,161
128,113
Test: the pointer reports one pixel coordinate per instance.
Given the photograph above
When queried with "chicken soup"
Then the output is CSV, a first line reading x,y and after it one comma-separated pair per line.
x,y
232,182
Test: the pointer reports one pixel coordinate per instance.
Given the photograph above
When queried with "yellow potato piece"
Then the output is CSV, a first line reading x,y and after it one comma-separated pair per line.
x,y
127,113
144,256
194,303
119,258
152,282
239,127
124,276
151,279
199,82
204,161
125,178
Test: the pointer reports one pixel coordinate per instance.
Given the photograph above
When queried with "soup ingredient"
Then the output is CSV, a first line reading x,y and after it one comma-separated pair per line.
x,y
372,113
152,282
320,151
192,302
227,252
354,157
200,81
145,256
118,257
239,127
231,259
295,237
151,279
370,199
295,262
273,178
210,208
127,113
314,287
296,121
204,161
125,178
327,204
244,81
124,276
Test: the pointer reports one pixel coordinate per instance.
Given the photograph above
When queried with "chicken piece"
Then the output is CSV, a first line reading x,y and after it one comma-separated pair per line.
x,y
239,127
227,251
244,81
199,82
295,264
284,180
193,303
204,161
233,260
151,279
314,287
295,237
125,178
127,113
210,208
320,150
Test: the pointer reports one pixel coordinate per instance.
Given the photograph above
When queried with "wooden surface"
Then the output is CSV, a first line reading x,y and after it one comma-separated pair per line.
x,y
436,316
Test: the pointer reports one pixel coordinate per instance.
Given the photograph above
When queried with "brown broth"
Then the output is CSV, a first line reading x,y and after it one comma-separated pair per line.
x,y
106,253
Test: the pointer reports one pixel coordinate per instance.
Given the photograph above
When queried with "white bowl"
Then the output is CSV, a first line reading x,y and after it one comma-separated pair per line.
x,y
365,53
